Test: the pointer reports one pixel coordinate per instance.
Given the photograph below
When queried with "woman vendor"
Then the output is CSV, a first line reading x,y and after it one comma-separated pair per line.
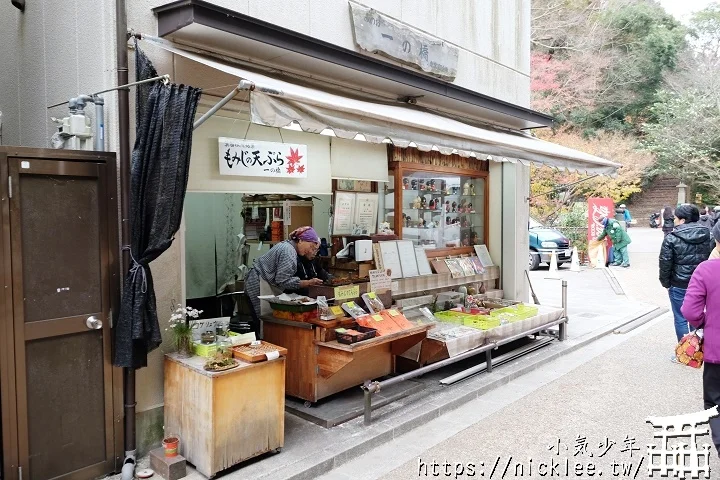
x,y
309,267
276,271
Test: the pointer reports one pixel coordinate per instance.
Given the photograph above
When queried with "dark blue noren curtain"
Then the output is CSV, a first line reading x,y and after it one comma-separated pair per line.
x,y
159,175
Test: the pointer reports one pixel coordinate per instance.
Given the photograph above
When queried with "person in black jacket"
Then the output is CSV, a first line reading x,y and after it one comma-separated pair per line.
x,y
668,220
309,268
682,251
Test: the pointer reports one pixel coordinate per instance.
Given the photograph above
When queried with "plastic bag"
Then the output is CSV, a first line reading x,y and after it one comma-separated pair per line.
x,y
372,302
595,249
324,309
353,310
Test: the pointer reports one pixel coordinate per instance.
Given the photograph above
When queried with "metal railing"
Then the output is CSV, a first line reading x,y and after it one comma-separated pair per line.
x,y
372,387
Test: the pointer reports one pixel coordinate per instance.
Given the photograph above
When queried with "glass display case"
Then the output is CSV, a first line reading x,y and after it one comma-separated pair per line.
x,y
437,210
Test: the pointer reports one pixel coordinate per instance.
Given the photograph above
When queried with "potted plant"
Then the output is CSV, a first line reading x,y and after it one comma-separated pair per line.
x,y
181,329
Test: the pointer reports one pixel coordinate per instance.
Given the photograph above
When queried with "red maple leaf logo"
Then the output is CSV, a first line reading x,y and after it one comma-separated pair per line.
x,y
290,169
294,156
301,169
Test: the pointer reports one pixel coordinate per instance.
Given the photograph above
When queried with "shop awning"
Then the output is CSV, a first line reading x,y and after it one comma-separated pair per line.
x,y
279,103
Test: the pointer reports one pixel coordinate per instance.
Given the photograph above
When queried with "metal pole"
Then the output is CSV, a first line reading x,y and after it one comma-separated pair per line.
x,y
121,38
164,78
368,406
562,328
243,85
99,123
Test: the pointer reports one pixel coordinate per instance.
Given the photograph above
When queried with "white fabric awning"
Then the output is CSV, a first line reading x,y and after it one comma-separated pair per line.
x,y
278,103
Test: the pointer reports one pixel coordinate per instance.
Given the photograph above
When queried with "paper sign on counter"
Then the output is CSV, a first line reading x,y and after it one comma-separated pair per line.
x,y
346,292
272,355
377,318
379,281
337,311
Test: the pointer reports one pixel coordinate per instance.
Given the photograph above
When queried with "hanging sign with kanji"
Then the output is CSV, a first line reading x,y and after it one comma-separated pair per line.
x,y
252,158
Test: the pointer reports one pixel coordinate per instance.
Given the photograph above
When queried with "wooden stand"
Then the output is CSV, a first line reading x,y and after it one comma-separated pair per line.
x,y
318,369
224,418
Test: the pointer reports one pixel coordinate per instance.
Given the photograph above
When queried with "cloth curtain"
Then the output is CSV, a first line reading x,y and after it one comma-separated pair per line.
x,y
159,174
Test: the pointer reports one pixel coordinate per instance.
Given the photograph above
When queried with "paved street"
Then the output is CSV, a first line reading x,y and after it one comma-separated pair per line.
x,y
597,397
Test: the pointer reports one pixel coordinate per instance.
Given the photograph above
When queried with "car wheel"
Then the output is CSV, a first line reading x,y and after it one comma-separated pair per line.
x,y
534,260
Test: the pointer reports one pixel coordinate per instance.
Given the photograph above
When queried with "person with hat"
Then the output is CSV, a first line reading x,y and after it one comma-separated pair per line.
x,y
276,271
701,308
626,215
683,249
620,240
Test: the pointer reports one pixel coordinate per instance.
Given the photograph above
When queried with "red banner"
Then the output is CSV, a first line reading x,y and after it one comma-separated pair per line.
x,y
597,209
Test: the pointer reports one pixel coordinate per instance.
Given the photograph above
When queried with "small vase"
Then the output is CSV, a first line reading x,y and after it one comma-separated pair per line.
x,y
184,346
170,446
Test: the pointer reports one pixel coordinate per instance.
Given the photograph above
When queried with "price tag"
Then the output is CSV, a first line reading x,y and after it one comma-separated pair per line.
x,y
393,313
256,343
346,292
337,311
377,318
372,295
340,330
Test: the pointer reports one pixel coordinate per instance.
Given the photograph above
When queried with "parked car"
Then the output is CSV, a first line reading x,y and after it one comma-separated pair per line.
x,y
544,241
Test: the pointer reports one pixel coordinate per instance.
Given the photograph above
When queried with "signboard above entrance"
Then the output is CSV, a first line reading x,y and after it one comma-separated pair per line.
x,y
378,33
251,158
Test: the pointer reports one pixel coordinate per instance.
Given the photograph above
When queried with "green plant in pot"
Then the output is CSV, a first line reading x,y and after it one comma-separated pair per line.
x,y
181,329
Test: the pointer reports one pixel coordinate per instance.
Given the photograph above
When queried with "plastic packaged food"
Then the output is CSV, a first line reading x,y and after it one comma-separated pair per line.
x,y
373,302
397,317
353,310
324,309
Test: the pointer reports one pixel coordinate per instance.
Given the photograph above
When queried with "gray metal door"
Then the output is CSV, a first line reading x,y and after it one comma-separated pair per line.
x,y
61,301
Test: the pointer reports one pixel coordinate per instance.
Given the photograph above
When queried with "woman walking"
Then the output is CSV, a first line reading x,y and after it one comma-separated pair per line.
x,y
667,220
702,309
682,251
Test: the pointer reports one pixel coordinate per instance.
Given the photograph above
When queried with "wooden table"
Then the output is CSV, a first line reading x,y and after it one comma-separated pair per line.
x,y
318,368
224,418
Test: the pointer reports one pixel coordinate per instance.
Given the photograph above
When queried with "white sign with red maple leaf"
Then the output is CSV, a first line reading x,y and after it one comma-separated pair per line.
x,y
252,158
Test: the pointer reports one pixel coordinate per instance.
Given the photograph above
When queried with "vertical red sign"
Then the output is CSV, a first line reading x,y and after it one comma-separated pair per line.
x,y
597,209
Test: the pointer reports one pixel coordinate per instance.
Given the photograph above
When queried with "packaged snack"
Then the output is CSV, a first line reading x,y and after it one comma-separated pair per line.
x,y
373,302
324,310
398,318
353,309
383,325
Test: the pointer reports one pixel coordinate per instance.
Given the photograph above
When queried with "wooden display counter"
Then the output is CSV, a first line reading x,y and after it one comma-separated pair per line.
x,y
224,418
318,368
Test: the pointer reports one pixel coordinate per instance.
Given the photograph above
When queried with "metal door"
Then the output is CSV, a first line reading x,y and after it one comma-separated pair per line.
x,y
59,233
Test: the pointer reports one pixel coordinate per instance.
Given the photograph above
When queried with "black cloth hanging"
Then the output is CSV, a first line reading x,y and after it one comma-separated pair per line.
x,y
159,175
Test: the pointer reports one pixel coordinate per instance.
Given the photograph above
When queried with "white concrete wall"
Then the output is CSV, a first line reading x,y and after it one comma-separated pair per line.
x,y
56,50
492,35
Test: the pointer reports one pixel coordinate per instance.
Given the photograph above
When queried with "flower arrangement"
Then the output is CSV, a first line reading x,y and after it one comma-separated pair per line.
x,y
181,329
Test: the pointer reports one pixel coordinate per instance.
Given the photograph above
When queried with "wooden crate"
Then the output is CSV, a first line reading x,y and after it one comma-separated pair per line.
x,y
224,418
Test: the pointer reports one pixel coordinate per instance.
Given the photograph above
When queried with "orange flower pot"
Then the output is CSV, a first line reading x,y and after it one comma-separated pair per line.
x,y
170,445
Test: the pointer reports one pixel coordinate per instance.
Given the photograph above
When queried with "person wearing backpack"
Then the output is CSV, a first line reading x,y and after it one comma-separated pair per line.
x,y
701,308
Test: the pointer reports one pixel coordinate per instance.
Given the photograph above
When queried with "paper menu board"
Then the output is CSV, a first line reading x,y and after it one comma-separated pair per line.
x,y
484,255
391,258
406,251
379,281
422,261
455,269
366,209
343,213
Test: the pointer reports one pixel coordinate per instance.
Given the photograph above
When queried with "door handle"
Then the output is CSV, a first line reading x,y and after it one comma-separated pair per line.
x,y
94,323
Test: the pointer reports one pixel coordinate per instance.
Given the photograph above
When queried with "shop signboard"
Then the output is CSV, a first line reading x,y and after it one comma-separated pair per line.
x,y
378,33
597,209
251,158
